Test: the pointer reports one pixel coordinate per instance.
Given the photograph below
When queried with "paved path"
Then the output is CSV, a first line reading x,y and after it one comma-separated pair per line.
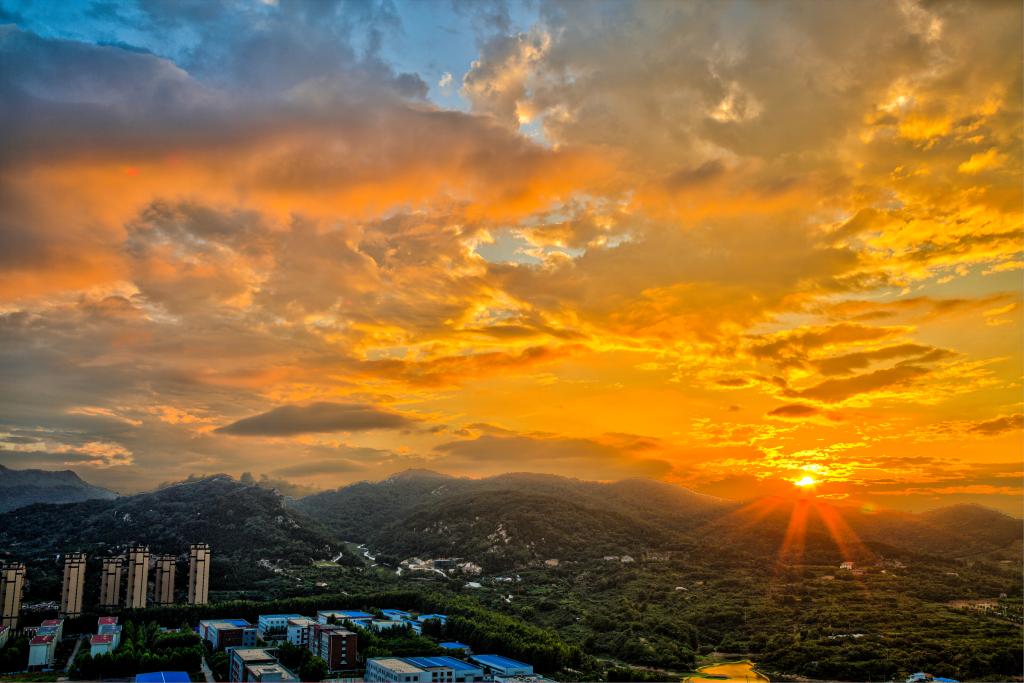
x,y
206,671
74,653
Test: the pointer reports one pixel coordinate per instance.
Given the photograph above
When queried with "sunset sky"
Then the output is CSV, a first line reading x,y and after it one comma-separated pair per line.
x,y
728,245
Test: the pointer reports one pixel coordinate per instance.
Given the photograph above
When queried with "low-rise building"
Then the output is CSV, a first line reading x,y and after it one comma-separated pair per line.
x,y
325,616
297,631
454,645
225,633
448,669
394,670
502,667
40,652
274,626
267,672
101,643
240,658
379,625
334,644
5,633
52,627
400,615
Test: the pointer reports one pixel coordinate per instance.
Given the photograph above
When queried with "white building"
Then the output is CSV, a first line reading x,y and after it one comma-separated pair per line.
x,y
298,631
101,643
274,626
40,652
394,670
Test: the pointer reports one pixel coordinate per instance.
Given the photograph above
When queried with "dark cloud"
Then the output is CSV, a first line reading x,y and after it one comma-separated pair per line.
x,y
794,410
315,418
999,425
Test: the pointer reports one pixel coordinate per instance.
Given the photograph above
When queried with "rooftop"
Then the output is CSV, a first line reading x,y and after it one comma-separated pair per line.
x,y
252,654
454,645
441,662
280,616
52,622
396,665
112,620
345,614
41,640
499,661
261,670
101,638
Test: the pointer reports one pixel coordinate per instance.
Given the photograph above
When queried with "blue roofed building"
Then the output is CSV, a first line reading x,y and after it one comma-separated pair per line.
x,y
448,669
163,677
427,617
396,614
341,615
502,667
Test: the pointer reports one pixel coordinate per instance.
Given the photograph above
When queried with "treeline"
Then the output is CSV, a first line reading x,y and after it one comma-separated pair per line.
x,y
14,655
143,647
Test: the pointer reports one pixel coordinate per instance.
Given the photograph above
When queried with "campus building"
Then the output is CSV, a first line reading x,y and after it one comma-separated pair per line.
x,y
163,579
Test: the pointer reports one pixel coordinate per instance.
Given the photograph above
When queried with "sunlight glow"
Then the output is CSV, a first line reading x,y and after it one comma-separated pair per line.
x,y
806,481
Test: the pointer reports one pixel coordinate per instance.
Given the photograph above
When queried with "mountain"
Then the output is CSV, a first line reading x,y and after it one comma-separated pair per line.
x,y
19,488
517,519
509,520
242,523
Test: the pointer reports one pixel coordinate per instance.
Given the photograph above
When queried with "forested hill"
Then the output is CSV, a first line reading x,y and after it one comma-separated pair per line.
x,y
243,524
19,488
518,519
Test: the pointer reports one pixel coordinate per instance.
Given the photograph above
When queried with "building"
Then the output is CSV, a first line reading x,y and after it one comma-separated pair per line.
x,y
40,652
394,670
5,633
242,657
164,567
325,616
298,631
198,573
448,669
110,582
109,626
267,672
163,677
396,614
74,585
101,643
12,583
274,626
502,667
379,625
428,617
225,633
846,565
138,578
51,627
334,644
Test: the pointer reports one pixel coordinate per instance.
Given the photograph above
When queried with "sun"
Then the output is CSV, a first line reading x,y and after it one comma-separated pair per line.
x,y
806,482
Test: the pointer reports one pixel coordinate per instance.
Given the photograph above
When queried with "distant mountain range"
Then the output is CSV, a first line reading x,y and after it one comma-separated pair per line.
x,y
19,488
515,519
502,522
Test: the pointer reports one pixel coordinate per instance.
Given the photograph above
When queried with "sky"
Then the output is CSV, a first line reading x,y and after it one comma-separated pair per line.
x,y
728,245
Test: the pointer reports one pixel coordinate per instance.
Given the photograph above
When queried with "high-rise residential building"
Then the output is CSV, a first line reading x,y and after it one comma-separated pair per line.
x,y
163,579
12,583
74,585
110,582
138,577
198,573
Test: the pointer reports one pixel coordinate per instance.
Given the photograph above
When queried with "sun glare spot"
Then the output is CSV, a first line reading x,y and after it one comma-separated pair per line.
x,y
805,482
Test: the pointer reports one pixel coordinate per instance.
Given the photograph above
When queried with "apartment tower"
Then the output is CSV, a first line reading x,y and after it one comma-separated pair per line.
x,y
138,577
198,573
74,585
110,582
12,582
163,579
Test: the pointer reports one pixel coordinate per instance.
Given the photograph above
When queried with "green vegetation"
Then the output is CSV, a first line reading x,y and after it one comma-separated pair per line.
x,y
14,655
144,647
301,661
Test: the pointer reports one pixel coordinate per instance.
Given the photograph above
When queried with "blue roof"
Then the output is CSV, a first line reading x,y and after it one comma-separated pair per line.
x,y
163,677
236,622
453,645
945,680
434,662
348,613
397,612
280,616
425,617
500,662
